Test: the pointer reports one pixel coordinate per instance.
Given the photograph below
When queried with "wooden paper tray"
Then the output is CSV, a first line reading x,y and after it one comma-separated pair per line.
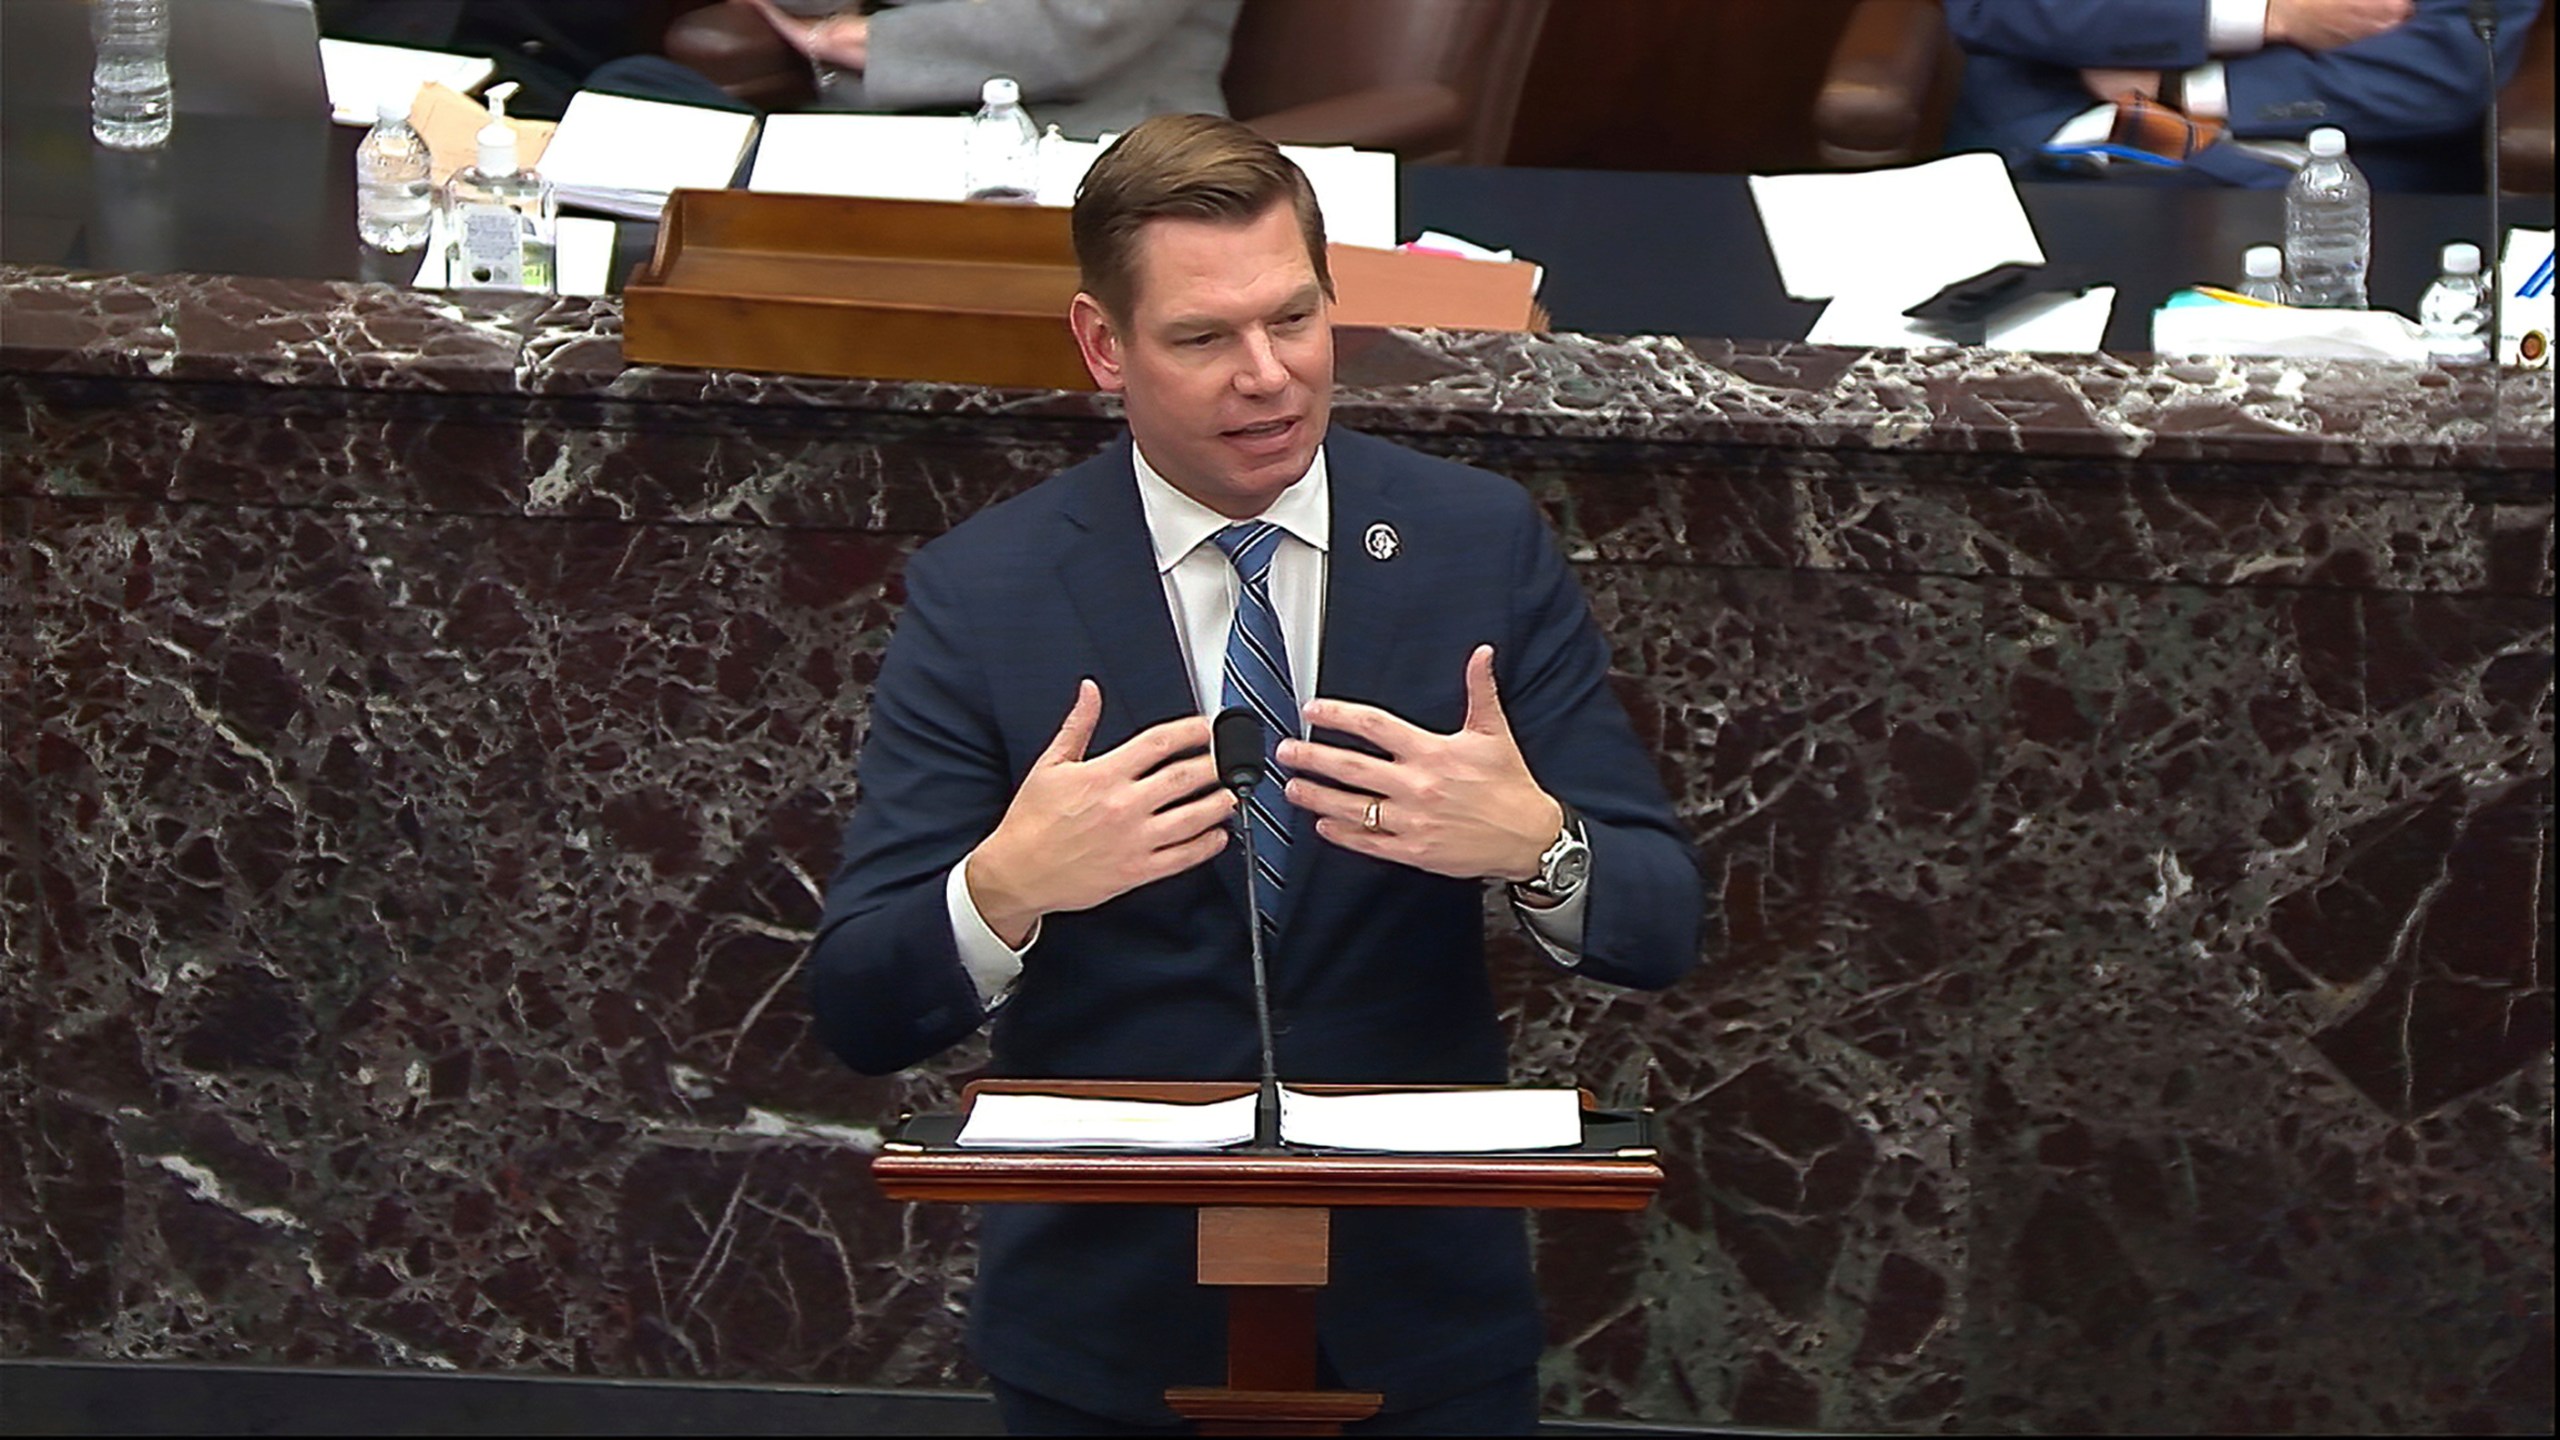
x,y
844,286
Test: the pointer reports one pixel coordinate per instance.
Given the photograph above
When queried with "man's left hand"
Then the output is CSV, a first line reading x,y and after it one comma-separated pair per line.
x,y
1462,804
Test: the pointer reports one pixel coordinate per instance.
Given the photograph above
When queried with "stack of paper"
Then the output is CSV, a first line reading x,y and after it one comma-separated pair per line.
x,y
361,76
923,157
1412,1122
624,156
2194,323
1878,242
1074,1122
1436,1122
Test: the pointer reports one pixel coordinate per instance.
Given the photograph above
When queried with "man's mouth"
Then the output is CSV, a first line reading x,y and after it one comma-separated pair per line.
x,y
1263,430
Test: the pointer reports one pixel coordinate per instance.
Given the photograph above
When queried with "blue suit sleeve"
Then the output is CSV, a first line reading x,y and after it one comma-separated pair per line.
x,y
2426,77
2085,34
1641,924
885,977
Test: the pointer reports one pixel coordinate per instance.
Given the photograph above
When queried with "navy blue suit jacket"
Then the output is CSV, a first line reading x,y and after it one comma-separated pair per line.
x,y
1377,971
2410,99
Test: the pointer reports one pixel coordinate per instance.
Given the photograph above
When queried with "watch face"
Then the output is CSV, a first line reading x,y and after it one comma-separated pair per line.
x,y
1571,869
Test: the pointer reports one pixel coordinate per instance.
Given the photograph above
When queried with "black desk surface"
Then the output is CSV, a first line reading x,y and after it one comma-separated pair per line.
x,y
1626,252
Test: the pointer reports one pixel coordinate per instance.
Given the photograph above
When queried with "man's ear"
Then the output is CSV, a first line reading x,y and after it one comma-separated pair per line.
x,y
1098,337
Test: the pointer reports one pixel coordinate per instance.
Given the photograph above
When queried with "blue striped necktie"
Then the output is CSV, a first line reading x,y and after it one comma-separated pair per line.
x,y
1257,675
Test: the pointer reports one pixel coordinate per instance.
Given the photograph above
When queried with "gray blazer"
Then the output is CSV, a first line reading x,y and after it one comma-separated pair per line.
x,y
1086,66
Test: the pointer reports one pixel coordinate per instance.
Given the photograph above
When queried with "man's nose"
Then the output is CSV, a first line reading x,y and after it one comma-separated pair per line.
x,y
1261,373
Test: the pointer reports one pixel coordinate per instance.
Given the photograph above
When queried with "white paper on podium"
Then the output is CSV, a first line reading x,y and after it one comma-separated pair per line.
x,y
1077,1122
1434,1122
925,157
1912,230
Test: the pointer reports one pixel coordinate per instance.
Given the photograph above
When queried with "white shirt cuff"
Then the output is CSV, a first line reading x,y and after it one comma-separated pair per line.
x,y
2205,94
2235,27
1557,928
993,965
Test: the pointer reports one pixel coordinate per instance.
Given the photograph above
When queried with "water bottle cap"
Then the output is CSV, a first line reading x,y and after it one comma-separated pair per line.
x,y
2462,258
388,108
2328,142
2262,262
1000,90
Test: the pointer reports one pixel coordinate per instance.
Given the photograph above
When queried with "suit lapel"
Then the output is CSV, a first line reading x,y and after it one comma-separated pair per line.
x,y
1362,597
1108,569
1361,592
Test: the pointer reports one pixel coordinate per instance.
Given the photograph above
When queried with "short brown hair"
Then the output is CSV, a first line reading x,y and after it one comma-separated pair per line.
x,y
1186,167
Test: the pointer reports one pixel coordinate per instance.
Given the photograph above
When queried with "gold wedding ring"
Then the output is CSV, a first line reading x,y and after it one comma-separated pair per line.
x,y
1369,817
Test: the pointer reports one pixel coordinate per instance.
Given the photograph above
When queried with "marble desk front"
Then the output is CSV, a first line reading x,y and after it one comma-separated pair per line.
x,y
2126,787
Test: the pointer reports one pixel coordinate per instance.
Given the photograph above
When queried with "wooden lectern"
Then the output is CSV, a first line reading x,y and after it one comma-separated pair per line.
x,y
1265,1221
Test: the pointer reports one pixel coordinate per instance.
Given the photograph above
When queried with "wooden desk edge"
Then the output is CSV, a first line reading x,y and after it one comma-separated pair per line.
x,y
1018,1178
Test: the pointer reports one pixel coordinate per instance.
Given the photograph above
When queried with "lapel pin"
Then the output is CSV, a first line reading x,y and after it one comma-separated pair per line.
x,y
1381,542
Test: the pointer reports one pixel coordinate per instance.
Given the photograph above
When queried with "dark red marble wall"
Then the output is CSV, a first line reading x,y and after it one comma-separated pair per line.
x,y
2132,1011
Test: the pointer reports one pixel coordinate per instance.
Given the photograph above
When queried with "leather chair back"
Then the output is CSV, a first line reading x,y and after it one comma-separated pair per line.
x,y
2524,115
1324,58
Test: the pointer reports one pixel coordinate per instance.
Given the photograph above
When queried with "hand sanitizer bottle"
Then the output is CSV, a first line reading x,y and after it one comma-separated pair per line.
x,y
501,220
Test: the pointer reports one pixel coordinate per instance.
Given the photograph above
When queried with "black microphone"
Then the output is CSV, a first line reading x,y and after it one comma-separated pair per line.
x,y
1235,742
1235,739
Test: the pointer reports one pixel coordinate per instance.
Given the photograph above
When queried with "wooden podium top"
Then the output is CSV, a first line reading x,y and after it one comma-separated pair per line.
x,y
1597,1178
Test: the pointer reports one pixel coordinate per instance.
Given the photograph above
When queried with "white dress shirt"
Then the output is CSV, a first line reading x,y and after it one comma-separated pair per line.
x,y
1200,590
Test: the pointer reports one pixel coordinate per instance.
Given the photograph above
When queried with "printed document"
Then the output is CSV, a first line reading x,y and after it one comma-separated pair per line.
x,y
1909,231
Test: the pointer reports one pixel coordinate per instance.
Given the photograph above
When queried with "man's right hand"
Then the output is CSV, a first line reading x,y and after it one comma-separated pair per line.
x,y
1081,831
2328,24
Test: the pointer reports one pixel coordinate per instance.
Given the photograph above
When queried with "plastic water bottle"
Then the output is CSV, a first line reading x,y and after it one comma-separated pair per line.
x,y
1004,150
129,98
2262,274
393,197
2328,226
2455,310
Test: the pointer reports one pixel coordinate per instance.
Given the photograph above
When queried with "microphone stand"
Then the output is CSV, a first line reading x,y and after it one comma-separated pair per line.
x,y
1266,1105
2484,23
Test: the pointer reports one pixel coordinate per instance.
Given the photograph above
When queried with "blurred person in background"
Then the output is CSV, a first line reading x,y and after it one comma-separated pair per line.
x,y
1089,67
548,47
2229,88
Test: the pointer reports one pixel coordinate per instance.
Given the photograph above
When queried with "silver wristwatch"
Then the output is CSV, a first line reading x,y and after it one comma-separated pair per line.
x,y
1566,864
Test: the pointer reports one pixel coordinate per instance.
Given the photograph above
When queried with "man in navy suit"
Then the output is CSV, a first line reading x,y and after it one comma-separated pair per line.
x,y
2406,79
1039,839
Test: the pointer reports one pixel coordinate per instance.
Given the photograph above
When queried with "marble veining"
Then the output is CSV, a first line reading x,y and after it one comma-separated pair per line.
x,y
2125,787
